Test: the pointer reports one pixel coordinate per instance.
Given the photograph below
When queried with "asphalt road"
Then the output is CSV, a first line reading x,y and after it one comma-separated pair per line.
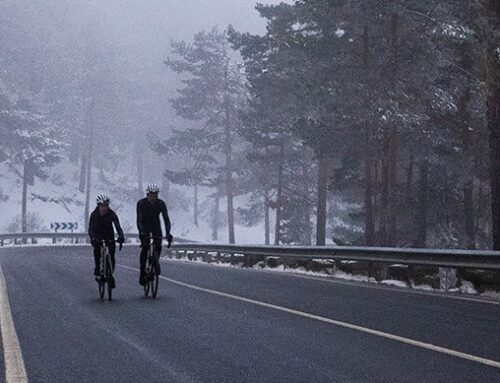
x,y
232,325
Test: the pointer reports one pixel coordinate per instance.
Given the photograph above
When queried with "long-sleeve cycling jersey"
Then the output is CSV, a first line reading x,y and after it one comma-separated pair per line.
x,y
101,226
148,217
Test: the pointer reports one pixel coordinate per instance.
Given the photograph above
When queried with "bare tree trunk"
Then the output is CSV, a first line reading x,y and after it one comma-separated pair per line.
x,y
322,197
229,186
368,198
83,171
369,218
377,202
195,205
279,197
409,179
228,154
393,182
215,219
391,144
493,104
389,179
305,201
384,199
24,203
89,172
267,229
422,205
470,227
468,154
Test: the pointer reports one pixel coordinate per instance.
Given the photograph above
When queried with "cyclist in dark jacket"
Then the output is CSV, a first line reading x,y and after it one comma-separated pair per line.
x,y
101,228
148,222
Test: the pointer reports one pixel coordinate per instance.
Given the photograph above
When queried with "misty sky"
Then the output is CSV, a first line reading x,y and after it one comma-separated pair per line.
x,y
148,26
141,31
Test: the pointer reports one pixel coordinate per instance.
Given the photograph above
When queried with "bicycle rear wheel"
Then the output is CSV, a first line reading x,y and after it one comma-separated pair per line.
x,y
155,280
109,279
110,294
101,285
146,284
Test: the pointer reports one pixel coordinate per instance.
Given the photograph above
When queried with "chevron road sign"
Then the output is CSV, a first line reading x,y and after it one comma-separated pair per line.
x,y
64,226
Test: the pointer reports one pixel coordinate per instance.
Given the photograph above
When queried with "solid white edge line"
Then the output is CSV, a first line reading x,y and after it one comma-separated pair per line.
x,y
15,371
412,342
346,282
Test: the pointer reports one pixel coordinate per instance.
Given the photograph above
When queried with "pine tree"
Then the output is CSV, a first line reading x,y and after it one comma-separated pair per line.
x,y
33,146
492,9
212,94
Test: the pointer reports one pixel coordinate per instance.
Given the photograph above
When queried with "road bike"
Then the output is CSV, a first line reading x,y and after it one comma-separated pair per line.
x,y
105,278
152,269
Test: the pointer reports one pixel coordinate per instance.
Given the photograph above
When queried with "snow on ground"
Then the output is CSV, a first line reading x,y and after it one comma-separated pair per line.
x,y
57,199
392,282
466,287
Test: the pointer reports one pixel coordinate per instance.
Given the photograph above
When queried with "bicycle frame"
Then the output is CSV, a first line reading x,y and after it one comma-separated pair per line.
x,y
105,260
152,268
106,269
152,255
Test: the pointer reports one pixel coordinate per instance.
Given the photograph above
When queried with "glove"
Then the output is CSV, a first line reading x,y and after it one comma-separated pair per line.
x,y
94,242
121,239
170,238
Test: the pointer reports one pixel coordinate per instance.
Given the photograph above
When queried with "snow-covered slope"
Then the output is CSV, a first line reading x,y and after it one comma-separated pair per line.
x,y
57,199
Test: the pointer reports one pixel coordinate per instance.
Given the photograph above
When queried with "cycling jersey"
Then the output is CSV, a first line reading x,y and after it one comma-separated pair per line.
x,y
148,217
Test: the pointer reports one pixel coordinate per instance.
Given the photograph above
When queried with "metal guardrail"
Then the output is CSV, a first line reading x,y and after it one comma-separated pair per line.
x,y
469,259
22,238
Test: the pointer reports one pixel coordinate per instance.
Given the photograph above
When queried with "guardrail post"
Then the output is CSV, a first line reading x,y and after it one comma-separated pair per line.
x,y
205,256
411,275
447,278
334,267
370,269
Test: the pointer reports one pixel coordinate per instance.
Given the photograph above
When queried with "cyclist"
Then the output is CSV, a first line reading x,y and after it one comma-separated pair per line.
x,y
101,228
148,222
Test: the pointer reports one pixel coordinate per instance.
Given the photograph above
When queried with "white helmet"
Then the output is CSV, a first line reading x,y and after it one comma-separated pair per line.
x,y
152,188
102,199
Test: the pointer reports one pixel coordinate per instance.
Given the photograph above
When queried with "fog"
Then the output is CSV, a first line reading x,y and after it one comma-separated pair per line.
x,y
293,122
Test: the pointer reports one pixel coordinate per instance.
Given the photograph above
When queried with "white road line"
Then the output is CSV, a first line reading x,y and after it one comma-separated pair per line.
x,y
15,371
344,282
411,342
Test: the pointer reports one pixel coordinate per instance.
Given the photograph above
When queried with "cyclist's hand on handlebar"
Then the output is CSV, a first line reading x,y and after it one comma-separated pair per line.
x,y
94,242
121,240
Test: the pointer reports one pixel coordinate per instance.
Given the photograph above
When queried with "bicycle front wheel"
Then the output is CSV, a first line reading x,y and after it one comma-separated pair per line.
x,y
110,294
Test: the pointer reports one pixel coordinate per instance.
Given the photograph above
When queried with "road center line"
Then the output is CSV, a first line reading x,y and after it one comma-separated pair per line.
x,y
15,371
412,342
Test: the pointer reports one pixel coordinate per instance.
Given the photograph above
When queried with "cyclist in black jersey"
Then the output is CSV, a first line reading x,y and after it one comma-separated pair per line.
x,y
101,224
148,222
